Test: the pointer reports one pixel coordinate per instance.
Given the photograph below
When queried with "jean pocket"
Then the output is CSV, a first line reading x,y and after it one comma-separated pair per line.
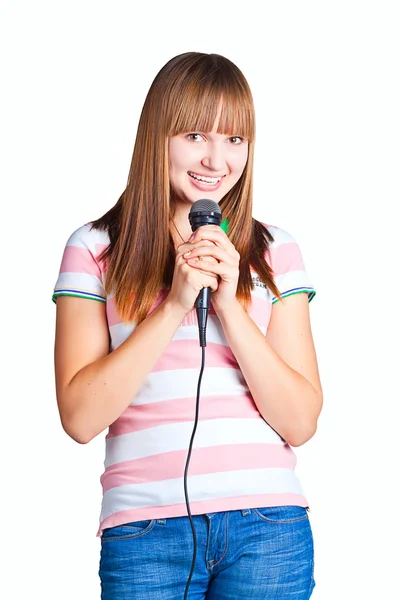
x,y
281,514
127,531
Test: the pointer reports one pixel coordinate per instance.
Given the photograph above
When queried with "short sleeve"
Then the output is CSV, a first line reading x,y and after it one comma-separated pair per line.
x,y
285,258
81,274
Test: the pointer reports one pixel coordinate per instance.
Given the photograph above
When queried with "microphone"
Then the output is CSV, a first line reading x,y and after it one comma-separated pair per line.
x,y
204,212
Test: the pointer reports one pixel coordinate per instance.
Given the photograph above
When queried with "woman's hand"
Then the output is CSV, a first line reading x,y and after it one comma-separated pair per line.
x,y
188,282
224,263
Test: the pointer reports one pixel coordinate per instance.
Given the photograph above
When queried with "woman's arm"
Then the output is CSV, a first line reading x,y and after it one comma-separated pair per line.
x,y
94,387
281,368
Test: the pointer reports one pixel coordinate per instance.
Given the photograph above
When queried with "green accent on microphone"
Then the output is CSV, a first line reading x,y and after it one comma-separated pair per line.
x,y
224,226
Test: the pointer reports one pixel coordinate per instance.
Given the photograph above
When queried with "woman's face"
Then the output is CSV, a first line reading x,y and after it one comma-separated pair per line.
x,y
206,164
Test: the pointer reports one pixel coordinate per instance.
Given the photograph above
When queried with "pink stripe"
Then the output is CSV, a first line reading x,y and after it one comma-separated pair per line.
x,y
114,318
214,459
285,258
99,249
161,296
180,410
260,311
201,507
186,354
79,260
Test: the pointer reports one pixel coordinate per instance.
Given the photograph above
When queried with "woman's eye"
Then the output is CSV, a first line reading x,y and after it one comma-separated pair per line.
x,y
235,139
194,137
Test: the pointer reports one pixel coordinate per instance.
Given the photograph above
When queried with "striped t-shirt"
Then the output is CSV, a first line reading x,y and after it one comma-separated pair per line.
x,y
237,461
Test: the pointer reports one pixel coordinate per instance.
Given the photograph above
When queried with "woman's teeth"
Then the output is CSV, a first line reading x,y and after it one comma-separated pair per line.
x,y
211,180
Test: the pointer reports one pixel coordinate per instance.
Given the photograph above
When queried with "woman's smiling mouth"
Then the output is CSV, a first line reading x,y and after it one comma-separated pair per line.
x,y
204,179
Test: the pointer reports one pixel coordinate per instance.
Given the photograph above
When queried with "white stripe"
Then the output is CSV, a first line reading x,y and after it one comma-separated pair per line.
x,y
200,487
264,293
119,333
182,383
84,237
293,279
215,334
280,236
80,281
176,436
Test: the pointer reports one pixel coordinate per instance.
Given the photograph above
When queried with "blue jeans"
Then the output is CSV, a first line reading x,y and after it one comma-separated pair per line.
x,y
250,554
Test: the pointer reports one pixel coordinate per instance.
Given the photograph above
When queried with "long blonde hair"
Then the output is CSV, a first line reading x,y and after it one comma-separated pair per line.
x,y
184,96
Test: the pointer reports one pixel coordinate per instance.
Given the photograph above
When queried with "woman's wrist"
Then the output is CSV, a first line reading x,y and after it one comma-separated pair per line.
x,y
175,309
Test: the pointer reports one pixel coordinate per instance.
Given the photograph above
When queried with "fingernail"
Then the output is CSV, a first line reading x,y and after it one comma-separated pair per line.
x,y
187,253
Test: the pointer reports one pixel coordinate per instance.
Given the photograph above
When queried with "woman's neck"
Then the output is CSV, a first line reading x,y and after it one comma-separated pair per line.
x,y
181,228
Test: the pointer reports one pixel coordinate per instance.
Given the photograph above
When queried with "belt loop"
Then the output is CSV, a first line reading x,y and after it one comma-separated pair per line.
x,y
245,511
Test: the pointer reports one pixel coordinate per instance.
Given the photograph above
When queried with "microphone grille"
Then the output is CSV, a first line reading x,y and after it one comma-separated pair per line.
x,y
205,205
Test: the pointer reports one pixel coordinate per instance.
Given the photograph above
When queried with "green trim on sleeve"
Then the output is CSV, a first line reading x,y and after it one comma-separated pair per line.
x,y
311,293
58,294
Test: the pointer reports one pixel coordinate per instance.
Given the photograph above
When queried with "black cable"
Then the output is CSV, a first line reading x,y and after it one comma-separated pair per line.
x,y
186,470
202,212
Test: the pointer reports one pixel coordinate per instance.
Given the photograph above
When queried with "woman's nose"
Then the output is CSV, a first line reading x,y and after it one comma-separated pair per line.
x,y
214,158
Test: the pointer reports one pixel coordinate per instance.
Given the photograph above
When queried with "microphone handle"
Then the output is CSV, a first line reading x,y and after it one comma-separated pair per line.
x,y
203,299
202,305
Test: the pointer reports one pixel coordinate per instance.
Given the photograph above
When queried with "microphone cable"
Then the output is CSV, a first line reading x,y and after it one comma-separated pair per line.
x,y
203,212
203,353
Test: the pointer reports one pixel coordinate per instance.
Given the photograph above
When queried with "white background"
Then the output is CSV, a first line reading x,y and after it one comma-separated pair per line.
x,y
325,80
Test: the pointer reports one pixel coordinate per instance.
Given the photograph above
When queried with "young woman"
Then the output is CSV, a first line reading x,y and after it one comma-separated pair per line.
x,y
129,360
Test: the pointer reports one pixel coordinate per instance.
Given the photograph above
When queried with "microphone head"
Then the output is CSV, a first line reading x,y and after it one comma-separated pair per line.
x,y
205,205
204,212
